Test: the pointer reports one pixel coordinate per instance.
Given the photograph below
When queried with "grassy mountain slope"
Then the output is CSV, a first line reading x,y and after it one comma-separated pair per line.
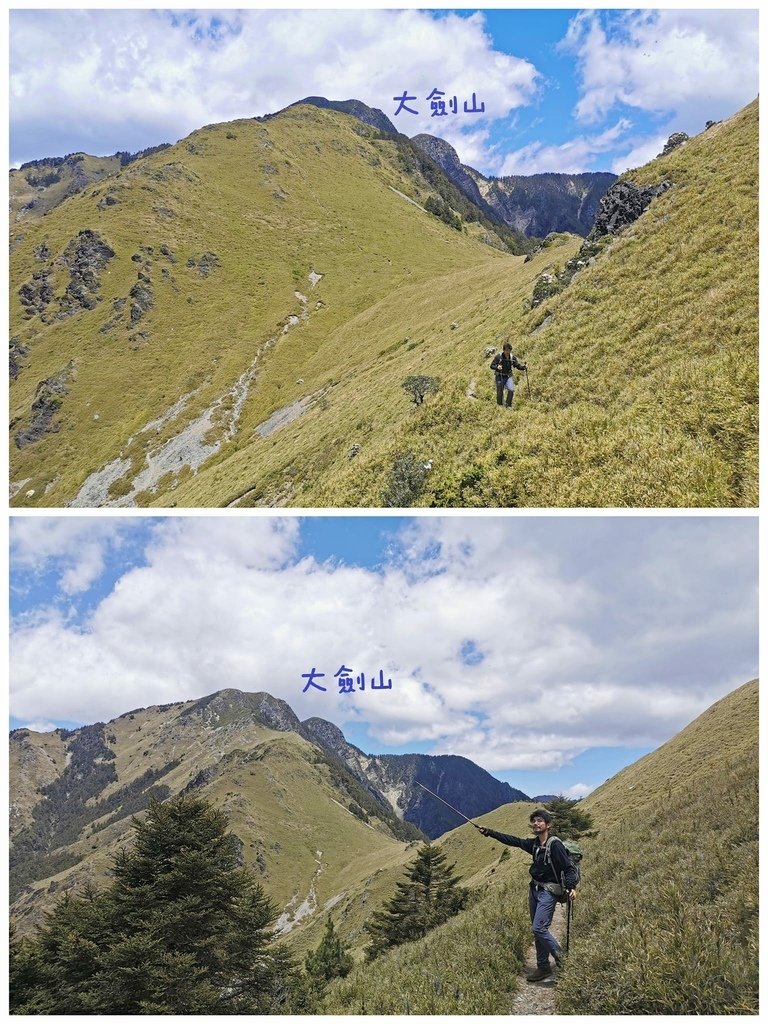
x,y
284,802
643,372
666,919
247,240
40,186
669,922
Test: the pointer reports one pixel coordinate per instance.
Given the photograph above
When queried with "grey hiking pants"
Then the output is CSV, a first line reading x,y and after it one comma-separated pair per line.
x,y
542,907
502,390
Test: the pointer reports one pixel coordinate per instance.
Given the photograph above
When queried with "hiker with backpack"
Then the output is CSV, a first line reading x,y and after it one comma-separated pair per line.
x,y
554,877
502,364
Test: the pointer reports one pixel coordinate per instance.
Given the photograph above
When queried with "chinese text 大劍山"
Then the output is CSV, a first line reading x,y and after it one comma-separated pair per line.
x,y
347,681
439,106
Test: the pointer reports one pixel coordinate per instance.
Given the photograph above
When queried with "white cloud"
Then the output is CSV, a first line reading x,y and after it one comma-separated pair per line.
x,y
665,61
641,153
164,71
578,791
572,157
38,726
591,634
76,547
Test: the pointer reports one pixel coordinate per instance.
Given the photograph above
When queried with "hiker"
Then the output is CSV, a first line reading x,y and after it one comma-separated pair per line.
x,y
502,363
553,875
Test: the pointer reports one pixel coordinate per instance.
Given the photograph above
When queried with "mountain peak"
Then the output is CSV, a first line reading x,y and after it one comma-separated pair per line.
x,y
228,705
368,115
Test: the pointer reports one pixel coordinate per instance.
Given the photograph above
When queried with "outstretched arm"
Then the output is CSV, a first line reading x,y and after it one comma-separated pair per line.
x,y
523,844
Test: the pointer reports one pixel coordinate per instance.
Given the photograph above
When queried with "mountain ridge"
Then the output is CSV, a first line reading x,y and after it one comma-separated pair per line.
x,y
77,789
230,323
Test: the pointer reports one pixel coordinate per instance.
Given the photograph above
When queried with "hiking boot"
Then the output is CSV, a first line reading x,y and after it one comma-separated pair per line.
x,y
540,974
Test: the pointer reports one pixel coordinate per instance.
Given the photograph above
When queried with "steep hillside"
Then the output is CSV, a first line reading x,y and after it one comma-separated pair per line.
x,y
73,795
235,328
302,800
643,384
535,204
672,888
666,918
157,333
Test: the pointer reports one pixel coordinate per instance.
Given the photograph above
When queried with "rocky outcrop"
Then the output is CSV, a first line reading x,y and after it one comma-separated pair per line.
x,y
205,264
674,140
226,706
37,294
142,298
622,204
84,257
330,738
446,157
16,353
368,115
49,396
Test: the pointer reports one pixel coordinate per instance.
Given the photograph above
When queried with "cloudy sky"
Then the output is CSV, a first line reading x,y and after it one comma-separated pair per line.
x,y
563,91
551,651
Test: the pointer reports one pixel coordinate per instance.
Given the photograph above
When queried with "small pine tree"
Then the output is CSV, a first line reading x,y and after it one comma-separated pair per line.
x,y
331,959
430,895
570,821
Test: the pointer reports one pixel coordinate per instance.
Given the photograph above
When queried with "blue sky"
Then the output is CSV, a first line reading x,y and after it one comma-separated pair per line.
x,y
551,651
564,91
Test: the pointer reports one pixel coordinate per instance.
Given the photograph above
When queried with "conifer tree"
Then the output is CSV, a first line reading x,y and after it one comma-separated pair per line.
x,y
428,897
183,929
570,821
330,960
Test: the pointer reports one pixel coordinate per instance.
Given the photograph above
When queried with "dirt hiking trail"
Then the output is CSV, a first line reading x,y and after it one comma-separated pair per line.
x,y
538,998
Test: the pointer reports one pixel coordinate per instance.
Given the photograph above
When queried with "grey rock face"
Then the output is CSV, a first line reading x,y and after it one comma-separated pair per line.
x,y
368,115
674,140
49,395
327,735
207,262
622,204
84,257
37,294
16,353
142,300
446,157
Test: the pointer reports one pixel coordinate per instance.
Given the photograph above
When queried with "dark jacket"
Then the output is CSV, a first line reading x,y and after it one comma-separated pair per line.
x,y
560,863
503,364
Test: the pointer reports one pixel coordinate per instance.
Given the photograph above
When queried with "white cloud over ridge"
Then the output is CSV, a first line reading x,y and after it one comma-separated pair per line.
x,y
172,72
590,633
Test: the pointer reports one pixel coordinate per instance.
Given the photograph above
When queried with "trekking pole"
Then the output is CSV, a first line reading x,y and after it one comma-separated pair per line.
x,y
447,805
527,382
568,927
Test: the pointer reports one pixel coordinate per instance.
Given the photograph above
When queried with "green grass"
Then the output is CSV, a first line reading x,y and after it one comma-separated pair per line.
x,y
643,382
667,920
468,965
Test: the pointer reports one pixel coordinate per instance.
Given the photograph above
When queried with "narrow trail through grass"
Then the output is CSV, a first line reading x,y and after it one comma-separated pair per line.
x,y
539,999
